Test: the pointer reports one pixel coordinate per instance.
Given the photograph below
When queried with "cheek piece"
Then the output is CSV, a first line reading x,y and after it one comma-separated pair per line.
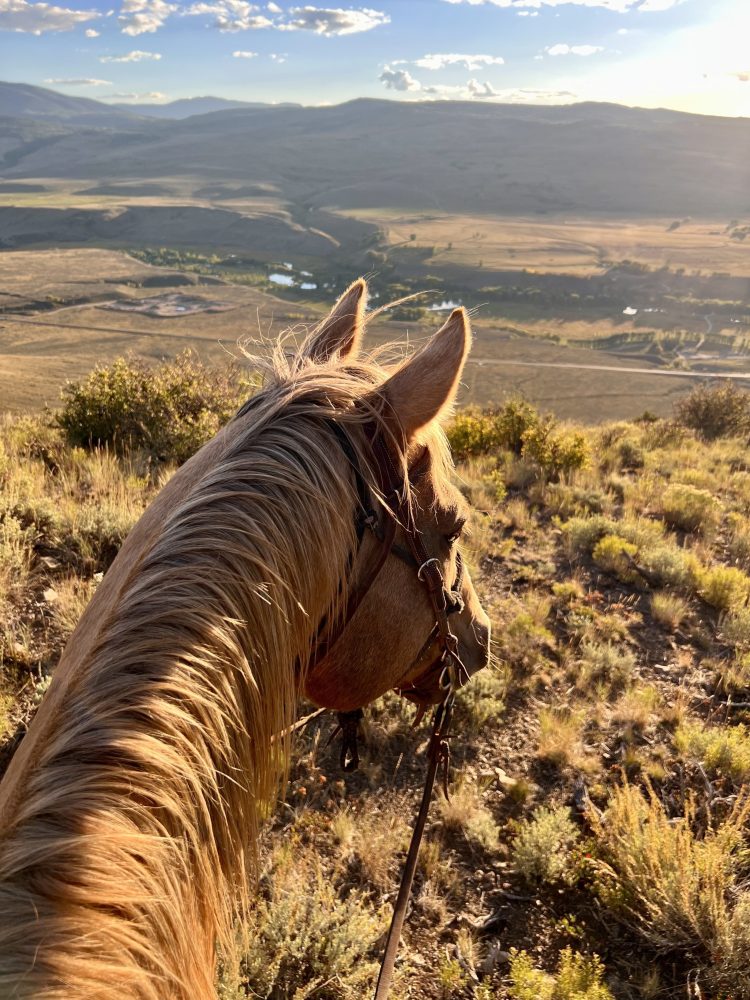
x,y
444,601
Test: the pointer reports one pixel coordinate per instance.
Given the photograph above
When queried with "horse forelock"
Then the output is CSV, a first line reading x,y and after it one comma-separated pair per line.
x,y
132,844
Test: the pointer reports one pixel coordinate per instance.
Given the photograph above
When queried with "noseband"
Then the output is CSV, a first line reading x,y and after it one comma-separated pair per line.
x,y
398,512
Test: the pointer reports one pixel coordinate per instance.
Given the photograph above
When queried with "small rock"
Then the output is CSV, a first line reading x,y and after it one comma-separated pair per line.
x,y
495,956
503,779
50,595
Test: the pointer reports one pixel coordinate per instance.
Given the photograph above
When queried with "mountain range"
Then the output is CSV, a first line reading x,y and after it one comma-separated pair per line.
x,y
460,157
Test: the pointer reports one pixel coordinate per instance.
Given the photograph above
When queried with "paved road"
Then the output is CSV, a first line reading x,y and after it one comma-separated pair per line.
x,y
619,370
668,372
123,331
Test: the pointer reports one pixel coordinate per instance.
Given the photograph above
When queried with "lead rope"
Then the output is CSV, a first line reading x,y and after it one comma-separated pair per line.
x,y
437,755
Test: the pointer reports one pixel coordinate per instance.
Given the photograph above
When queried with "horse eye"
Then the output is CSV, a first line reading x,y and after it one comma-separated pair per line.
x,y
454,535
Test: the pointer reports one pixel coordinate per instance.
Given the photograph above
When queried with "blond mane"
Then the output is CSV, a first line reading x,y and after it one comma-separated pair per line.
x,y
128,852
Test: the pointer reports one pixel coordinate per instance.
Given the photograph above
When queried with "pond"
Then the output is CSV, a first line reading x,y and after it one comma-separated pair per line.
x,y
290,279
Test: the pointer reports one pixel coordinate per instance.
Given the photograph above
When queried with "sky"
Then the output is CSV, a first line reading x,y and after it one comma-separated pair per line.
x,y
689,55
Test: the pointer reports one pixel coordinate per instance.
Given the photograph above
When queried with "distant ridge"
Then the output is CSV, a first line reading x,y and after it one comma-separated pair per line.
x,y
443,156
23,100
188,106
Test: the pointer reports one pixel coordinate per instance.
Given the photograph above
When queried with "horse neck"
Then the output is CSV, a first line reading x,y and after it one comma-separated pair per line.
x,y
131,846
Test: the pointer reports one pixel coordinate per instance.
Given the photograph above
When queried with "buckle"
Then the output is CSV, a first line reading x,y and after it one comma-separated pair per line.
x,y
423,567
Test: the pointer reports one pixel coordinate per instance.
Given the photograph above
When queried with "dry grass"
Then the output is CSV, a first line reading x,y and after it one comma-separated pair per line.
x,y
560,736
669,610
676,887
626,676
464,812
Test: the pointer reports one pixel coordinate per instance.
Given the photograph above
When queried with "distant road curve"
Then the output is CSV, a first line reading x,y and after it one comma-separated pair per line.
x,y
610,368
668,373
158,335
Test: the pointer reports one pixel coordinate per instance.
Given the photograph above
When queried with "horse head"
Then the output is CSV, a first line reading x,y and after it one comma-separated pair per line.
x,y
392,639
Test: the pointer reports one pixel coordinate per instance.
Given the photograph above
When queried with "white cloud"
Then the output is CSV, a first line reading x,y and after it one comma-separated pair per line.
x,y
141,17
38,18
82,82
151,97
440,60
91,33
656,5
231,15
527,13
240,15
472,90
398,79
573,50
279,57
333,20
479,90
132,57
240,54
620,6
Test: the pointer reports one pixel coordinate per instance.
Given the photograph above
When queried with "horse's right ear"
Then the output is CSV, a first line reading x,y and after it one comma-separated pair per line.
x,y
341,332
424,387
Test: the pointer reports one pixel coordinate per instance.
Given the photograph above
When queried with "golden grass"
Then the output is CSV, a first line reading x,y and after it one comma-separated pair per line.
x,y
673,885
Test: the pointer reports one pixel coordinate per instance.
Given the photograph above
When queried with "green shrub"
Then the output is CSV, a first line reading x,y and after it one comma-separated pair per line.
x,y
668,564
735,628
739,539
304,939
542,850
473,433
689,508
169,411
611,554
556,452
723,587
604,664
582,533
578,977
515,419
715,411
630,455
724,749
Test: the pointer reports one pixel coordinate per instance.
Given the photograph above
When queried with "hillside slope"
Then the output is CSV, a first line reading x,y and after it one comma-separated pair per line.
x,y
599,801
447,156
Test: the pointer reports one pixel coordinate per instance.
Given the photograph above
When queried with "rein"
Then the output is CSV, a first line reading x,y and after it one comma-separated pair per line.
x,y
445,602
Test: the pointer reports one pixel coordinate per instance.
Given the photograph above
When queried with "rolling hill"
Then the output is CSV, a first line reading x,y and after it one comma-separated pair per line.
x,y
436,156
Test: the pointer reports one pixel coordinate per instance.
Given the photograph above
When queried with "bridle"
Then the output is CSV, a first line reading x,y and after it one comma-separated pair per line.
x,y
398,511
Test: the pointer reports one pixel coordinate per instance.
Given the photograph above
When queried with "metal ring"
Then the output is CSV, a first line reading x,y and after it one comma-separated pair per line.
x,y
426,563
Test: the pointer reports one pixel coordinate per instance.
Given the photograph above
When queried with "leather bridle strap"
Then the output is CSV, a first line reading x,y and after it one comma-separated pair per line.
x,y
437,754
444,603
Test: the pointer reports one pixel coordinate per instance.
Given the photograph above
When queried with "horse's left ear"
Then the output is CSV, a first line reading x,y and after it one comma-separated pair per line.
x,y
425,386
341,332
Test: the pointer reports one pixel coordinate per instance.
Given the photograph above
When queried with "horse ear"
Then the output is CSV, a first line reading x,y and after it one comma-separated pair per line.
x,y
425,386
341,332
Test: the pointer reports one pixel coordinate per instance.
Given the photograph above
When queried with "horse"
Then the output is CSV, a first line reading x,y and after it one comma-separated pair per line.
x,y
130,812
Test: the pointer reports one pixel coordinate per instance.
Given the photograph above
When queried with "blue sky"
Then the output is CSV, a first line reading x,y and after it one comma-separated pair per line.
x,y
692,55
